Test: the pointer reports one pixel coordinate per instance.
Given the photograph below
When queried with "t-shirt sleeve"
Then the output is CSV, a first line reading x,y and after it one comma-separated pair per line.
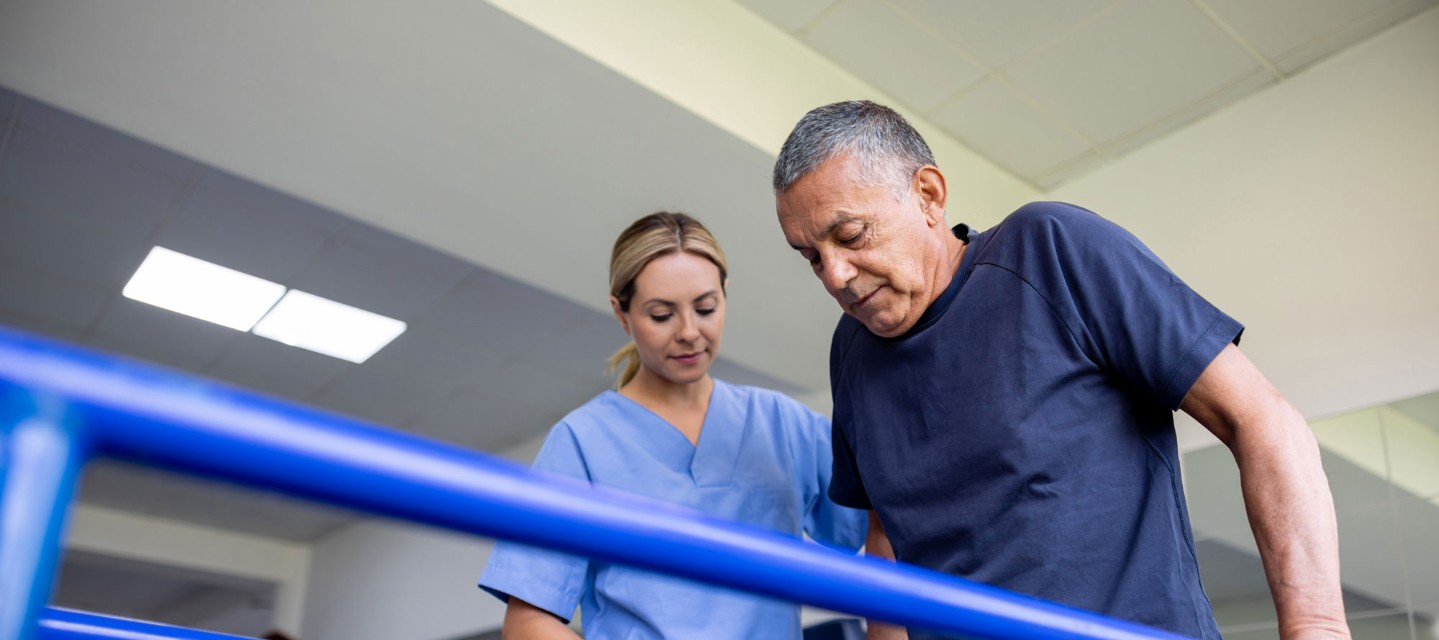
x,y
826,522
550,580
1133,315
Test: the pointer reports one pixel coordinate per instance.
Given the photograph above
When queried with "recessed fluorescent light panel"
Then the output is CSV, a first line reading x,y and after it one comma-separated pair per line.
x,y
201,289
325,326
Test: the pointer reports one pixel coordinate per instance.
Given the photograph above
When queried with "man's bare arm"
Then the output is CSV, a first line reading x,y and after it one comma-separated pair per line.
x,y
1285,491
876,544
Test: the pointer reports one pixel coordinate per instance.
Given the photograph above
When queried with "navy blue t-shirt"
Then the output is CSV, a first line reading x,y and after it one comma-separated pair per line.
x,y
1022,433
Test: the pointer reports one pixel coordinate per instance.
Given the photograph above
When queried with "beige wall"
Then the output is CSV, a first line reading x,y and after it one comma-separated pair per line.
x,y
1309,212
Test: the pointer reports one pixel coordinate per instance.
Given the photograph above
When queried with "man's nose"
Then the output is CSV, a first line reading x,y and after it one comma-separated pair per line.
x,y
836,274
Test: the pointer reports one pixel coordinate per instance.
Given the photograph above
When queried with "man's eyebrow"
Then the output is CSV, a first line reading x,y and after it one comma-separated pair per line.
x,y
839,221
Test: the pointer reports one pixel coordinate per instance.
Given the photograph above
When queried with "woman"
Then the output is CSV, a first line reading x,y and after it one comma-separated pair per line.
x,y
671,431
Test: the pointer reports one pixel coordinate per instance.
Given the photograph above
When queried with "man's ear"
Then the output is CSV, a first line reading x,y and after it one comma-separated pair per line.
x,y
931,192
620,314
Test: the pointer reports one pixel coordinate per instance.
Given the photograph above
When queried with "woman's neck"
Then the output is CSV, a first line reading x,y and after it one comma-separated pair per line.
x,y
683,405
647,388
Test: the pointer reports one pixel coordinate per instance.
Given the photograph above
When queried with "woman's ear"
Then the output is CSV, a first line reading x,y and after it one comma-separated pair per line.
x,y
620,314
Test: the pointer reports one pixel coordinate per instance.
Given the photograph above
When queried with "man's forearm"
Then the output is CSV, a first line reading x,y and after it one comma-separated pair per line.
x,y
1291,512
1285,491
876,543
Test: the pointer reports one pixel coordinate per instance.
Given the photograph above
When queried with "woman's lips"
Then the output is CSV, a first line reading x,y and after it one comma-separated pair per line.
x,y
688,358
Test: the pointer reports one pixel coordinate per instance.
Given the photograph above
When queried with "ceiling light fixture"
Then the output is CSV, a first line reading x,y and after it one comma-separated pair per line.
x,y
200,289
310,322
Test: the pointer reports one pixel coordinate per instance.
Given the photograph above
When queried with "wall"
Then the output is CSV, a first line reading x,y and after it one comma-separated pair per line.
x,y
1334,170
385,579
137,537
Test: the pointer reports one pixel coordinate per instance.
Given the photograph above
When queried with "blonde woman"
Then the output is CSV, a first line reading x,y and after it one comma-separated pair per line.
x,y
671,431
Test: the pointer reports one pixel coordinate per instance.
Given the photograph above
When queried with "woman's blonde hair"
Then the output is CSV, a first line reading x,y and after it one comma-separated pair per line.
x,y
650,237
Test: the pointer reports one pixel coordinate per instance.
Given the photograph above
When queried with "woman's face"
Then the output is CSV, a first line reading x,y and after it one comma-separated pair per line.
x,y
676,316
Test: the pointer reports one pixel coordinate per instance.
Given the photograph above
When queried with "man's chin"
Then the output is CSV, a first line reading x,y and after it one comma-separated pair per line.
x,y
880,327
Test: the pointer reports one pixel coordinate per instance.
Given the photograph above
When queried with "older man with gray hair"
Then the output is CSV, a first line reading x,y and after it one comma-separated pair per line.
x,y
1003,400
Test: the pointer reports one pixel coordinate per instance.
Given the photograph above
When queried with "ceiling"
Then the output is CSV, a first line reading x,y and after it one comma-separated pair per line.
x,y
1050,89
494,353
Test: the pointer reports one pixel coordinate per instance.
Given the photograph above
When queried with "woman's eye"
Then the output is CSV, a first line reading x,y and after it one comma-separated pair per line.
x,y
705,312
661,318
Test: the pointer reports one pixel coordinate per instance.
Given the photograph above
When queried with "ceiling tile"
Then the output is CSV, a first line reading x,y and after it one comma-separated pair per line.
x,y
1257,80
415,371
492,309
21,321
514,403
69,130
246,227
1007,129
165,337
1309,29
582,348
790,15
83,253
275,368
48,298
882,47
1072,168
1132,66
75,182
382,273
996,32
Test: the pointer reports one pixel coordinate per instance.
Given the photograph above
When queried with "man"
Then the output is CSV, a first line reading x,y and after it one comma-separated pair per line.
x,y
1003,400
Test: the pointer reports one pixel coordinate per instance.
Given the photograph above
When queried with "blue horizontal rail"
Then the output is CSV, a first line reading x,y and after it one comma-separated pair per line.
x,y
68,624
157,417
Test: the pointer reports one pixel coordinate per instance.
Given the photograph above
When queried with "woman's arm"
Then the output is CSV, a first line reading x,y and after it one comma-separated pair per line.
x,y
524,621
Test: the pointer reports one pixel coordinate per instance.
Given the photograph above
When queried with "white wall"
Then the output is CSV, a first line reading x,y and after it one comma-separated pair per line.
x,y
1309,211
383,579
386,579
127,535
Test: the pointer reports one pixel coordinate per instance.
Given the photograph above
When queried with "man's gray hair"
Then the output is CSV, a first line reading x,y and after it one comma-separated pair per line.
x,y
887,148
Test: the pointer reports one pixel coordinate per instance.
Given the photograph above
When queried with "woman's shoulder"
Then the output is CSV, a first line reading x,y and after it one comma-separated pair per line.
x,y
773,402
604,406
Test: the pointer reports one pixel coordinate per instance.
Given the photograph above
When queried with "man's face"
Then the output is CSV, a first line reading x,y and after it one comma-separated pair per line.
x,y
875,252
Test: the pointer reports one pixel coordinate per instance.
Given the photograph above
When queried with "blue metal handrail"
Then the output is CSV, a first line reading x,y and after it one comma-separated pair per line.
x,y
60,405
57,623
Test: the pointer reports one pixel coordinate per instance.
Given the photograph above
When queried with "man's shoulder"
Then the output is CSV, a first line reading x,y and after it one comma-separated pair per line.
x,y
1047,215
1046,227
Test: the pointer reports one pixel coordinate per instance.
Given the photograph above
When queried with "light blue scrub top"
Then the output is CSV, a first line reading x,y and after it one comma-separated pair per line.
x,y
762,459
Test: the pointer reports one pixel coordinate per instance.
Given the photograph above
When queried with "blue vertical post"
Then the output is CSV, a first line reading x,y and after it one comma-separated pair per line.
x,y
40,457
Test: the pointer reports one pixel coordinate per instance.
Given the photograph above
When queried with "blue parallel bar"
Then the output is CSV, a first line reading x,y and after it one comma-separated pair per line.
x,y
40,458
67,624
156,417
